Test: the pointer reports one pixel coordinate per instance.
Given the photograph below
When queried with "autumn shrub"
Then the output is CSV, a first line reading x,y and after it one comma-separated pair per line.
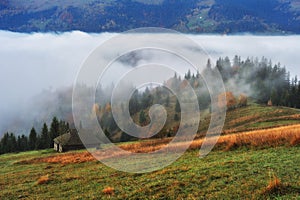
x,y
43,180
275,187
108,190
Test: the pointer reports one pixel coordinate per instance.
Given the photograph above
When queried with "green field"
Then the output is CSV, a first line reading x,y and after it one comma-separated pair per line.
x,y
239,174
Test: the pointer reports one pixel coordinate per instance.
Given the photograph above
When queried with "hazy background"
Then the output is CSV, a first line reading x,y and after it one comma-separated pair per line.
x,y
40,67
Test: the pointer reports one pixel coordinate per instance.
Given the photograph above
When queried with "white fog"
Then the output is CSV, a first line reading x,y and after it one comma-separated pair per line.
x,y
32,63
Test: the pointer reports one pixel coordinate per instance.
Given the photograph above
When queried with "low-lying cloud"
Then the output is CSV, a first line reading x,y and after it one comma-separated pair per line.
x,y
38,64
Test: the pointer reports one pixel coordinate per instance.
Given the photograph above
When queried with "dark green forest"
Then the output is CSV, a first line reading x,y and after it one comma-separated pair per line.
x,y
193,16
34,141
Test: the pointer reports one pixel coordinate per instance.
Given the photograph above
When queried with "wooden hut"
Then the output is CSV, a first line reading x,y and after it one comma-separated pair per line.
x,y
72,141
270,103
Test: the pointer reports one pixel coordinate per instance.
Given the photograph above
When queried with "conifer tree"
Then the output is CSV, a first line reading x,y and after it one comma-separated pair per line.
x,y
32,139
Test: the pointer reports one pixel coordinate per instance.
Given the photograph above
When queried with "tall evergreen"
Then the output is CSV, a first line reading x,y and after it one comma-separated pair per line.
x,y
13,143
142,118
24,143
63,127
32,139
177,107
167,103
54,130
134,104
45,138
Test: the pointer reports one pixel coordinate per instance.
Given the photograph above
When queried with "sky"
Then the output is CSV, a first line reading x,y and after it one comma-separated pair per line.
x,y
32,63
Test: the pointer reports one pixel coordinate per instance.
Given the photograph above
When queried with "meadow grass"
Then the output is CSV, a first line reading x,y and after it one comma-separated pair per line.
x,y
257,157
239,174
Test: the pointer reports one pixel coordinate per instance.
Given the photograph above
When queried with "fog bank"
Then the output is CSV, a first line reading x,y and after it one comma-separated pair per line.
x,y
37,67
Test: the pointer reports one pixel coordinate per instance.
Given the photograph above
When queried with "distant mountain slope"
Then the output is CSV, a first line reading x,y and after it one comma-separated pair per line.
x,y
196,16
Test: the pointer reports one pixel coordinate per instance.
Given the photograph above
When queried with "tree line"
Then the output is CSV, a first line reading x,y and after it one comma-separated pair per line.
x,y
257,79
34,141
264,82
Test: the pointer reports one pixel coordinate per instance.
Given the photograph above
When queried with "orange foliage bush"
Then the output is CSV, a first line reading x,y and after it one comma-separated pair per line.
x,y
108,191
242,100
43,180
227,99
274,187
274,184
108,108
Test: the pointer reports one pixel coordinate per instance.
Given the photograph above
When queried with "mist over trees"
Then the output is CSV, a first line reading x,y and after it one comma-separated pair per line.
x,y
258,80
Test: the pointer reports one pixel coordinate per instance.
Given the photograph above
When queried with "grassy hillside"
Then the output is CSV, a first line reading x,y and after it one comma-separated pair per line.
x,y
257,158
255,117
240,174
252,117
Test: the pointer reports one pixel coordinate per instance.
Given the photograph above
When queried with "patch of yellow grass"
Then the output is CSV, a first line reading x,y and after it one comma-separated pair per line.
x,y
272,137
286,135
243,119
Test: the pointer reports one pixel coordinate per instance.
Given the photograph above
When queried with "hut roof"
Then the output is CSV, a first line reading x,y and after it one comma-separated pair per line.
x,y
72,138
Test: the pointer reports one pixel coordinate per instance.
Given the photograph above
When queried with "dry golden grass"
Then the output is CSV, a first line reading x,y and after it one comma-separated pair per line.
x,y
146,146
65,158
286,135
289,117
275,186
43,180
295,140
70,158
243,119
237,124
108,191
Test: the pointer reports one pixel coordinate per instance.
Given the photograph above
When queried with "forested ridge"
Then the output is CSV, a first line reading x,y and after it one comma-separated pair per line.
x,y
193,16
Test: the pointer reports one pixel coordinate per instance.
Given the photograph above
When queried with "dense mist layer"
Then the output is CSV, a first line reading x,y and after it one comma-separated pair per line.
x,y
38,70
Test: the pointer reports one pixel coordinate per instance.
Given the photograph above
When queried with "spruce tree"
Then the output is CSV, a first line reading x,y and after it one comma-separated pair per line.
x,y
24,143
13,142
54,130
142,118
177,107
32,139
167,101
45,138
176,117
